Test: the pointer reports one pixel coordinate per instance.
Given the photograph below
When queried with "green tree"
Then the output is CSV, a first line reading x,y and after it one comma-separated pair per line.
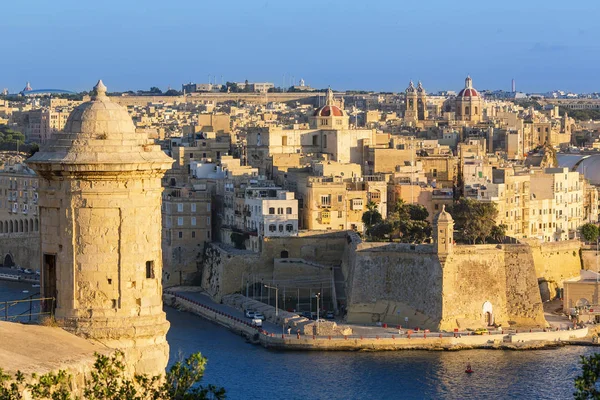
x,y
172,92
590,232
108,381
473,219
372,216
498,233
586,384
155,90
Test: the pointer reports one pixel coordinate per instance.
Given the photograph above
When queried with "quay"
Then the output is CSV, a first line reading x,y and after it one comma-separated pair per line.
x,y
274,336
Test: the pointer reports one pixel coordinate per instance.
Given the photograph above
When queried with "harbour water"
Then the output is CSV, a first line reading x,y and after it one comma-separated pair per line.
x,y
251,372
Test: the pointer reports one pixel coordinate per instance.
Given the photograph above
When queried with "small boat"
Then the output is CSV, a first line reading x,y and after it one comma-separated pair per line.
x,y
25,291
469,371
35,285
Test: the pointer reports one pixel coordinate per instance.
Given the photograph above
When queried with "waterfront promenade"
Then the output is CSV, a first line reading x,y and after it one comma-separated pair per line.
x,y
372,338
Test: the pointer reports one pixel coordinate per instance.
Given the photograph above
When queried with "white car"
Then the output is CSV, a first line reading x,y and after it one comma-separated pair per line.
x,y
259,315
256,322
249,314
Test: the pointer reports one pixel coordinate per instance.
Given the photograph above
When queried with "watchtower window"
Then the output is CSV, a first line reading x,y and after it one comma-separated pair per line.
x,y
149,269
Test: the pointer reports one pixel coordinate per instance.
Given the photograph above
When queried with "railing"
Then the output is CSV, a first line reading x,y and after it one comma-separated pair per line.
x,y
28,312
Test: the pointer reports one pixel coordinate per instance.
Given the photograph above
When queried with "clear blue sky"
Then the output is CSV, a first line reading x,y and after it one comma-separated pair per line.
x,y
352,44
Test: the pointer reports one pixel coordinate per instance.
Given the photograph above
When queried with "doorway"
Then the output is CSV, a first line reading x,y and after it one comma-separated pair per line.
x,y
49,283
488,313
8,261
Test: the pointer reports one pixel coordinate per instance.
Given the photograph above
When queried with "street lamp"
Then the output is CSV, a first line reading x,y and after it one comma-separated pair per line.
x,y
318,296
276,298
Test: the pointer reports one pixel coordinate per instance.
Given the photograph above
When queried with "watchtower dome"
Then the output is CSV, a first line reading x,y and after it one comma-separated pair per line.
x,y
443,233
99,201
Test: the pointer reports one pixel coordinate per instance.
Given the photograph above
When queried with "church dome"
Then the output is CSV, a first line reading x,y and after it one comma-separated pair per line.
x,y
99,136
469,90
329,111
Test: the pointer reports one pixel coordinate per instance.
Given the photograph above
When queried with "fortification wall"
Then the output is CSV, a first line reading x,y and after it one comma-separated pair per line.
x,y
554,262
23,248
389,282
224,269
474,275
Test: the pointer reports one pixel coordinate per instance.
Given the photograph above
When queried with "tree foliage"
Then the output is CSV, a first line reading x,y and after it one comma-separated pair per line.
x,y
108,381
406,223
590,232
586,384
475,220
372,216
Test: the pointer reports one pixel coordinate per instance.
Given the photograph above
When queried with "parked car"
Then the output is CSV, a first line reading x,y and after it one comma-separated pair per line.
x,y
37,273
249,313
480,331
329,315
259,315
28,271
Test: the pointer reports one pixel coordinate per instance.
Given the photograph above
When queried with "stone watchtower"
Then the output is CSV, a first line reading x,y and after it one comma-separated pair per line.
x,y
99,201
443,233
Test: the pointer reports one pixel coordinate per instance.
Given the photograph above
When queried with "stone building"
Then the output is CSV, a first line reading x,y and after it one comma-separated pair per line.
x,y
469,103
100,193
19,223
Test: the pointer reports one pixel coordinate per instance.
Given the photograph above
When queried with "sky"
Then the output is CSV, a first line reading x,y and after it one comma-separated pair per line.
x,y
349,45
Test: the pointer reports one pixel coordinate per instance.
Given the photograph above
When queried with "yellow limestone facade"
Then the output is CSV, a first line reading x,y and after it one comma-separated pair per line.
x,y
100,226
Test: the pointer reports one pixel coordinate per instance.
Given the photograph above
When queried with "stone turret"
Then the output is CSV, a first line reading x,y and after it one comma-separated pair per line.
x,y
443,233
99,202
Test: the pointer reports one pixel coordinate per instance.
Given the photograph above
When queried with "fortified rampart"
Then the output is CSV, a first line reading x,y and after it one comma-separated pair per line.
x,y
22,249
472,286
224,268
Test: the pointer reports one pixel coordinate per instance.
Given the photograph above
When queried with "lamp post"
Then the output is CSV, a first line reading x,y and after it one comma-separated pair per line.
x,y
318,296
276,298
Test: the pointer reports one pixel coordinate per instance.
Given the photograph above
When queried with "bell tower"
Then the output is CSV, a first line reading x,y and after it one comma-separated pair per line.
x,y
99,201
411,115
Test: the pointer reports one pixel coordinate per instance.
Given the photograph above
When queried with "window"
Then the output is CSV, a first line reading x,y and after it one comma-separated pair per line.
x,y
193,234
315,140
193,205
272,228
325,217
271,210
149,269
208,234
280,228
179,221
325,141
208,221
208,207
284,140
191,155
340,214
180,235
179,207
436,207
193,221
340,198
289,228
326,200
288,210
357,204
280,210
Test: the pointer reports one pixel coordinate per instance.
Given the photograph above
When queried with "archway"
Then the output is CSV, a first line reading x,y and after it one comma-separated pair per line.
x,y
30,224
1,227
582,302
20,225
36,225
284,254
8,261
6,226
11,230
488,313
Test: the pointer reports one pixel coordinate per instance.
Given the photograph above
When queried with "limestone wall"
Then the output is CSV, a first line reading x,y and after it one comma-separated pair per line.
x,y
474,275
554,262
24,249
224,268
389,282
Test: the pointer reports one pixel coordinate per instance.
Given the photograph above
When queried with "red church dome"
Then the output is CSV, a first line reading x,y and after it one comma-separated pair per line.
x,y
469,90
328,111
